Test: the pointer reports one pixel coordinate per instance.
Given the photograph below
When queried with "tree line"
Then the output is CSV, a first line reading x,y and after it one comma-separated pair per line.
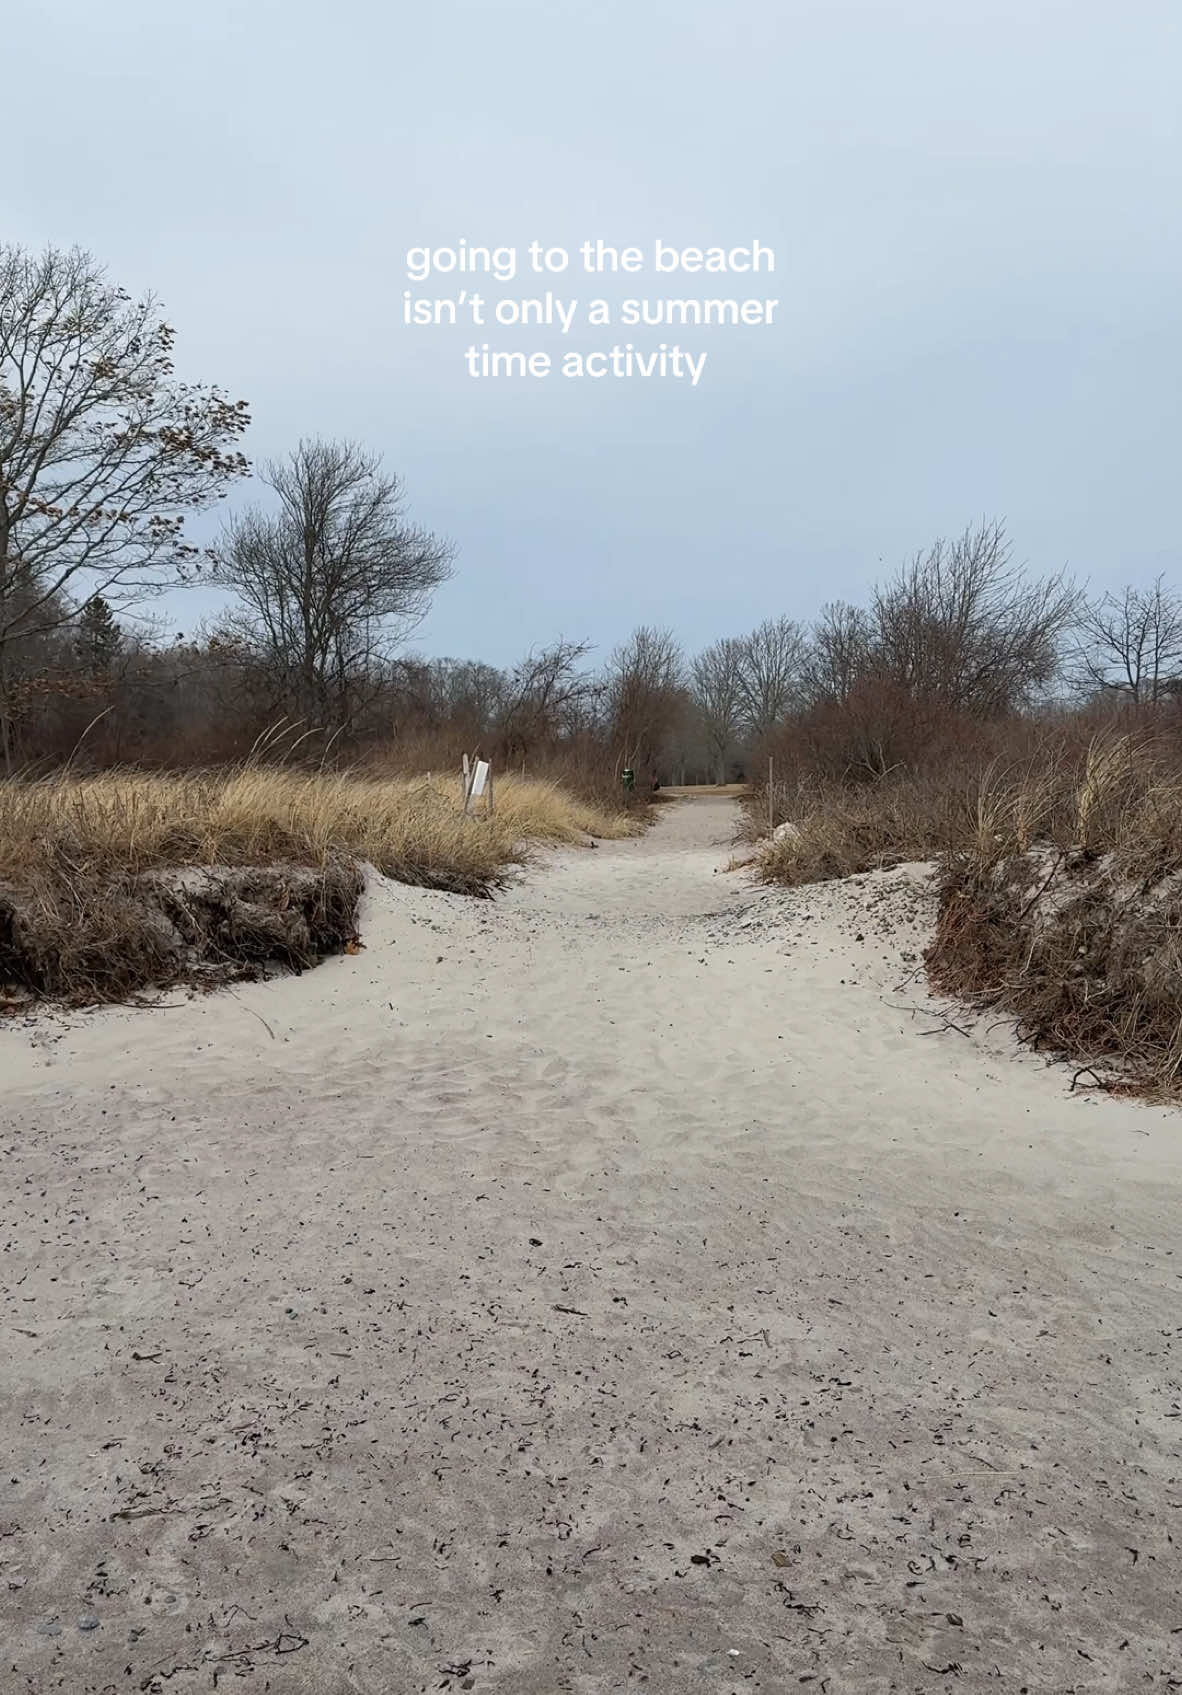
x,y
105,455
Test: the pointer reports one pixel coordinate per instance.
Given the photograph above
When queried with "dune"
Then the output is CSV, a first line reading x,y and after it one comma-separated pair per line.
x,y
638,1280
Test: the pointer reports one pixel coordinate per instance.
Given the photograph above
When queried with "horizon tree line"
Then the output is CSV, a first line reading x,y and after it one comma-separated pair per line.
x,y
105,454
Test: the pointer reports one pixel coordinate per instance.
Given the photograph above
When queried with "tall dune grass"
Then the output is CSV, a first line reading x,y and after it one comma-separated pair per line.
x,y
413,829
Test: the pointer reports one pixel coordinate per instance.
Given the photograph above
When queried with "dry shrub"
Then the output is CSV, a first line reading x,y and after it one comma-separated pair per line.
x,y
881,730
286,915
989,795
1060,888
1087,961
1065,909
840,831
91,904
90,938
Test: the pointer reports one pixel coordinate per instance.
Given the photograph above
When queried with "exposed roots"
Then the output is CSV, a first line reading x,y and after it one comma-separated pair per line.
x,y
1087,959
81,938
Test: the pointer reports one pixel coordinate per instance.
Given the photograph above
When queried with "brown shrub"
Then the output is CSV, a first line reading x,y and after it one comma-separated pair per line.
x,y
1060,881
1065,908
85,937
840,831
1087,960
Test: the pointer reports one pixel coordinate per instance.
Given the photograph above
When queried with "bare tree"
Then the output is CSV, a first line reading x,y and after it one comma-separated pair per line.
x,y
770,667
548,695
839,653
965,627
1131,643
717,682
470,692
645,696
103,452
333,579
463,697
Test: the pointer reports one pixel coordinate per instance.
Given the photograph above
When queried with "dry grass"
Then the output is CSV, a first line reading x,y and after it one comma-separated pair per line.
x,y
698,791
91,906
1065,909
1060,892
412,829
840,831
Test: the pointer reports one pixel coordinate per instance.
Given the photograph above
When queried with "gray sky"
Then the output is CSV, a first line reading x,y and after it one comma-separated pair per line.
x,y
974,206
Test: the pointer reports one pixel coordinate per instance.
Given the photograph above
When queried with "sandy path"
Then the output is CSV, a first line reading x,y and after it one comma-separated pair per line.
x,y
609,1287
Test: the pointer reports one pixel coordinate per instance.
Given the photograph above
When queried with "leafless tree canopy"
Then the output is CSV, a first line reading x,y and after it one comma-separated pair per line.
x,y
1131,643
717,683
332,579
102,451
646,696
839,653
548,694
963,626
771,663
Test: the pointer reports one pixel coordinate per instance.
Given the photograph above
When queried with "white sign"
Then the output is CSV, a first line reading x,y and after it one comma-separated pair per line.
x,y
479,778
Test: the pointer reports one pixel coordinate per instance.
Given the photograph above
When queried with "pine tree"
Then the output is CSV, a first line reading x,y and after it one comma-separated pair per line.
x,y
99,639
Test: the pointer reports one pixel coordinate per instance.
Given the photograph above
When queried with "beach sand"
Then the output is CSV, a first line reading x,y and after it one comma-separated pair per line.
x,y
635,1282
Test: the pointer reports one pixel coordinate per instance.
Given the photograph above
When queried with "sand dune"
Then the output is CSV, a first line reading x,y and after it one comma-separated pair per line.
x,y
633,1282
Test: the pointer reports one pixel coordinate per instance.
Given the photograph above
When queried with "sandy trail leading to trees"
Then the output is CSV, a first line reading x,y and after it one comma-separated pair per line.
x,y
630,1283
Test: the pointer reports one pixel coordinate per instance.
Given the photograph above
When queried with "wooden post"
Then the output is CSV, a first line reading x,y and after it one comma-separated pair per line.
x,y
490,789
771,804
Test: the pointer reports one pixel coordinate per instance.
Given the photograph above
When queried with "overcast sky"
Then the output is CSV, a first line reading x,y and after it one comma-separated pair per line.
x,y
974,206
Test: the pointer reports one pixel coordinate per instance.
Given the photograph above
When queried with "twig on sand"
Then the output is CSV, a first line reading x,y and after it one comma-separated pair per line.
x,y
252,1012
945,1025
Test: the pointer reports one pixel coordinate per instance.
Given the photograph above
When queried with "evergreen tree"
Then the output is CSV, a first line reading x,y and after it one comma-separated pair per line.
x,y
99,639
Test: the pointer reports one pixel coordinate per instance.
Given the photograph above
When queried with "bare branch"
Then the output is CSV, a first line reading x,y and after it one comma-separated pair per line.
x,y
1130,644
771,665
717,681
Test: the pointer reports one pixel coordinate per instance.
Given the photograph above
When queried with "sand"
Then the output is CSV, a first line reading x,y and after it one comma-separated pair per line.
x,y
632,1283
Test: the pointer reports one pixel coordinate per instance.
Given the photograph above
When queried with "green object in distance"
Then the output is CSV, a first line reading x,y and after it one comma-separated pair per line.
x,y
628,777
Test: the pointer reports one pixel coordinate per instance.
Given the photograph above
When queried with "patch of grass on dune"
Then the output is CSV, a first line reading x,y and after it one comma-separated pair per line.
x,y
1064,908
1060,893
89,866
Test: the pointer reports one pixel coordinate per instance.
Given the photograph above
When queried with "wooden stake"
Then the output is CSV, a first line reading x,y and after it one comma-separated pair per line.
x,y
771,804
